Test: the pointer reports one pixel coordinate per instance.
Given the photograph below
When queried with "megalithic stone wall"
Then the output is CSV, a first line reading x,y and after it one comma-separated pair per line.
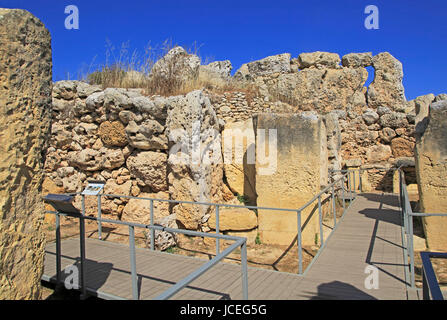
x,y
301,170
431,171
25,108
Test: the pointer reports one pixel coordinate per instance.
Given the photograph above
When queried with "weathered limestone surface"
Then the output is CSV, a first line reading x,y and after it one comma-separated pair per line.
x,y
25,110
387,89
357,60
195,158
422,107
323,90
234,219
431,170
301,170
238,145
270,65
177,63
318,59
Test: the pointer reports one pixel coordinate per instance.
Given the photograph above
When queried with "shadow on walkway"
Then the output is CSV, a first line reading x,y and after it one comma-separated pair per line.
x,y
337,290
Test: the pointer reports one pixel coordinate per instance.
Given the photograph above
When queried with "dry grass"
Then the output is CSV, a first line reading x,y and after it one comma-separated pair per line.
x,y
133,70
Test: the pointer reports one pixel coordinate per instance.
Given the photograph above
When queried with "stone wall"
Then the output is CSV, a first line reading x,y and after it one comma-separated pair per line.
x,y
25,105
141,146
374,124
133,141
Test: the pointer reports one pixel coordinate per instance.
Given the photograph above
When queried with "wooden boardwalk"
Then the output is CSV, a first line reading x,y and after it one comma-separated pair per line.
x,y
369,234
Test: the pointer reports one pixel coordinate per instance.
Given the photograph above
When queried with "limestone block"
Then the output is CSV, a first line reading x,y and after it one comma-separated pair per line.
x,y
274,64
113,134
238,145
402,147
251,235
147,136
322,89
378,153
357,60
292,173
195,157
139,211
386,89
149,168
318,59
431,173
422,106
25,113
176,64
234,219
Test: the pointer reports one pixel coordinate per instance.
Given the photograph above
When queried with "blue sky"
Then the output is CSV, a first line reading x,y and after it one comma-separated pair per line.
x,y
415,32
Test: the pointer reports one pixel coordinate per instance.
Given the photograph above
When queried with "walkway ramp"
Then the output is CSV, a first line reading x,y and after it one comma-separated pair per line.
x,y
368,234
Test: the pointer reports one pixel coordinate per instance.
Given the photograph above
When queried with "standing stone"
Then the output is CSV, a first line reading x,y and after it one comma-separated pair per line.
x,y
25,110
238,144
387,89
300,171
431,173
195,169
422,106
219,69
176,65
333,141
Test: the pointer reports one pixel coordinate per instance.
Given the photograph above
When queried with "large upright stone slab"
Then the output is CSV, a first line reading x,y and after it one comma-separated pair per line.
x,y
431,173
238,145
25,106
301,169
387,89
195,168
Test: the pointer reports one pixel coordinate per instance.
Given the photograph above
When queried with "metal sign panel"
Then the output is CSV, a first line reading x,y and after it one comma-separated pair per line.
x,y
62,203
93,188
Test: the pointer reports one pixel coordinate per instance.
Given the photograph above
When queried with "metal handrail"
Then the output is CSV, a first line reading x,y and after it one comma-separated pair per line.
x,y
407,224
239,242
430,285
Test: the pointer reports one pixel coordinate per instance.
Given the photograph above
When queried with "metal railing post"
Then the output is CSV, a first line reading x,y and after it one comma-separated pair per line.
x,y
217,230
320,215
360,180
244,270
343,193
82,248
133,262
99,217
152,224
58,250
334,210
425,289
411,250
353,179
349,187
300,245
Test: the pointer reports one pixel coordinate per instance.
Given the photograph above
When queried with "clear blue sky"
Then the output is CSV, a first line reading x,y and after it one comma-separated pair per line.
x,y
413,31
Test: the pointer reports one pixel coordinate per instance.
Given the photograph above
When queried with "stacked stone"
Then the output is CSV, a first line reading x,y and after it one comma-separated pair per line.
x,y
234,106
124,138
